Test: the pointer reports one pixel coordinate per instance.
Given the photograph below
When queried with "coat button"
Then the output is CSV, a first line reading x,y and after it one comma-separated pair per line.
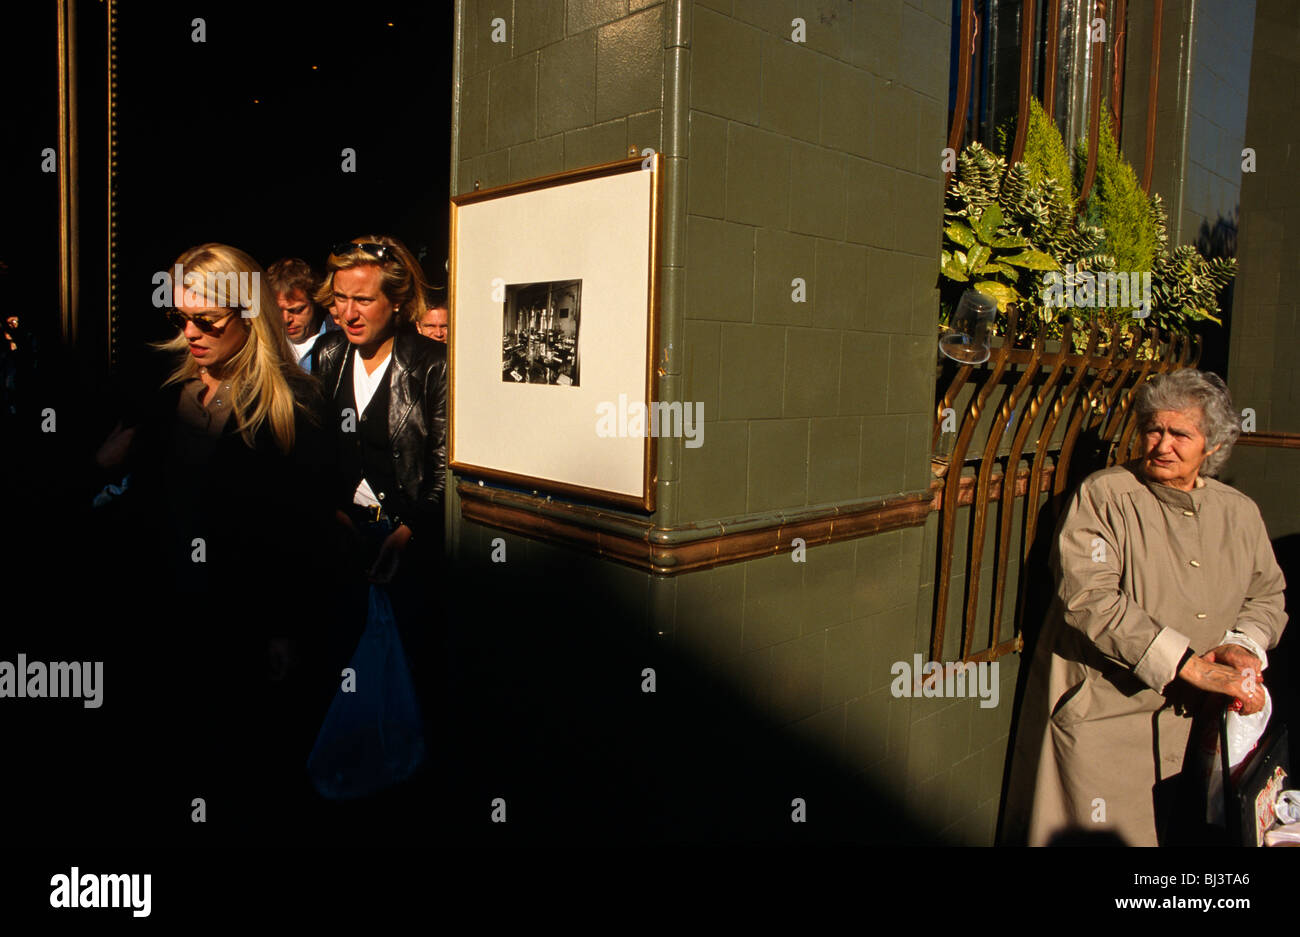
x,y
381,498
1201,615
1194,563
396,454
1189,514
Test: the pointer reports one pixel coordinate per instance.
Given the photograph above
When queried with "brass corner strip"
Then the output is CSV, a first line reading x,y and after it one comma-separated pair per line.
x,y
1272,440
672,550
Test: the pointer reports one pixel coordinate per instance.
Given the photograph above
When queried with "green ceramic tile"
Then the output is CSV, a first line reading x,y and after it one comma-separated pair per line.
x,y
825,730
725,67
778,463
925,298
876,37
866,729
711,611
916,474
797,677
538,158
773,17
816,191
869,203
537,23
591,146
911,374
834,447
707,165
567,85
714,474
931,136
644,130
719,271
584,14
752,362
925,754
630,65
850,105
841,286
774,606
489,170
781,259
473,116
876,581
758,174
918,67
828,584
829,25
512,102
812,372
863,372
889,286
791,98
919,229
848,662
901,112
954,726
703,357
483,31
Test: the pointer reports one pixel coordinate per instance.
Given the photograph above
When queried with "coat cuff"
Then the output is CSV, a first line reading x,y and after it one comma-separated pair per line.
x,y
1158,667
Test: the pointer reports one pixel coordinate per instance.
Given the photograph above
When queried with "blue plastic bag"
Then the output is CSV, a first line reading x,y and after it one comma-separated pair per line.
x,y
372,736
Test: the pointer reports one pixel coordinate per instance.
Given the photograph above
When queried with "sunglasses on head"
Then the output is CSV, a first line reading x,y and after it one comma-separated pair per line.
x,y
205,323
377,251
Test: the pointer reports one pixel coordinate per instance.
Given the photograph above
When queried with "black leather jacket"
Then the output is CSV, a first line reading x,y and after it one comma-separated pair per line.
x,y
417,420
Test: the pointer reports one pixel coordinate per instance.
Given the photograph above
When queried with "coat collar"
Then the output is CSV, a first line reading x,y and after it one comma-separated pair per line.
x,y
1174,497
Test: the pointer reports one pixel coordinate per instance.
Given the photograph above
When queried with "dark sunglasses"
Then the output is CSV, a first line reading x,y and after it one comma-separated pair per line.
x,y
204,323
377,251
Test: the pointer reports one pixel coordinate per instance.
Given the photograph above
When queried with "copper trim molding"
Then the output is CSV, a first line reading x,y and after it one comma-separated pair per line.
x,y
1271,440
69,202
1028,19
689,548
1094,110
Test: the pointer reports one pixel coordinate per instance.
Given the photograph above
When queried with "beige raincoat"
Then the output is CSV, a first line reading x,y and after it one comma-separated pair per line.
x,y
1143,572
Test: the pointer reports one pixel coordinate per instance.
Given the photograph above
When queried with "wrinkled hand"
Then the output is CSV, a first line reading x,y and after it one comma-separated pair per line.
x,y
1244,685
390,556
1234,655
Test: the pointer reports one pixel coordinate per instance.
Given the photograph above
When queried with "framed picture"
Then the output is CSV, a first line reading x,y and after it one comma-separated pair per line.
x,y
553,299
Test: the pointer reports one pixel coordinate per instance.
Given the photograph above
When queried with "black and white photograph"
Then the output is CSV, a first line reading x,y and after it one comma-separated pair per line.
x,y
539,333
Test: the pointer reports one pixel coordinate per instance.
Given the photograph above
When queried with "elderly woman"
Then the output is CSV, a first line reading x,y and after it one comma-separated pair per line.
x,y
1168,590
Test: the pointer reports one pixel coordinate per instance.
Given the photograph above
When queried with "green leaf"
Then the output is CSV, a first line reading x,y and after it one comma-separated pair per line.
x,y
977,257
1000,292
1001,268
958,233
953,270
1010,240
986,225
1032,260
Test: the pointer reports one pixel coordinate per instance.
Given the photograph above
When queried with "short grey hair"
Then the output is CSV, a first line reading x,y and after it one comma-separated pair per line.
x,y
1187,389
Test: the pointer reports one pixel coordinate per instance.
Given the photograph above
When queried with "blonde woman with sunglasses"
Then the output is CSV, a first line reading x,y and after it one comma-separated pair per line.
x,y
232,470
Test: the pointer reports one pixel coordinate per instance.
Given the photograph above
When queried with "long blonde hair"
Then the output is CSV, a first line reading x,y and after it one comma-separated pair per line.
x,y
403,281
260,392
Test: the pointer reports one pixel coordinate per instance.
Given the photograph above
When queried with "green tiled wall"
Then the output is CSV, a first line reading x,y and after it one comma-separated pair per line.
x,y
816,160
